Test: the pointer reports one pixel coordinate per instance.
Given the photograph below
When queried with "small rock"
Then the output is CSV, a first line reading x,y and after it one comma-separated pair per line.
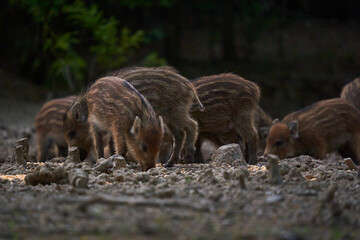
x,y
24,143
229,155
103,165
165,193
74,155
350,163
60,172
153,171
118,162
342,175
274,198
274,176
18,155
307,192
142,177
119,178
47,174
78,178
162,185
295,174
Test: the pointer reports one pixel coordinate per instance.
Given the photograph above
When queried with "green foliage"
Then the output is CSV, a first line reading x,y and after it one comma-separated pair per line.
x,y
78,42
152,60
146,3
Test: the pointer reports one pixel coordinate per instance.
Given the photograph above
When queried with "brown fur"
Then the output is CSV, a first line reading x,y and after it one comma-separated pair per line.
x,y
262,123
115,108
351,92
323,127
171,96
230,103
49,127
76,127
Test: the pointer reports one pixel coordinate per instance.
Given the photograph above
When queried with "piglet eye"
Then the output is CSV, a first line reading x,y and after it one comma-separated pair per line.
x,y
72,134
278,143
144,147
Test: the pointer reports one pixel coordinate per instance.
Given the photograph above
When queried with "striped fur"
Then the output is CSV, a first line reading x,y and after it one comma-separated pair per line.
x,y
320,128
76,127
262,122
230,104
171,96
351,92
113,107
49,127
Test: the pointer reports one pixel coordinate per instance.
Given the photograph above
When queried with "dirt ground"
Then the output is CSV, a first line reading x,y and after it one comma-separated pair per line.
x,y
316,199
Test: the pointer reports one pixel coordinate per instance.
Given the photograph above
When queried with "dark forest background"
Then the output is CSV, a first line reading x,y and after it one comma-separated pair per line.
x,y
298,51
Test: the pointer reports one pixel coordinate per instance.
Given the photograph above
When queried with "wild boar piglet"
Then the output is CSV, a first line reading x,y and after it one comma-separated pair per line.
x,y
323,127
50,129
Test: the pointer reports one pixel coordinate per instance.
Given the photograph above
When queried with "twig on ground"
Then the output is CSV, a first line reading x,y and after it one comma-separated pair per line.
x,y
349,162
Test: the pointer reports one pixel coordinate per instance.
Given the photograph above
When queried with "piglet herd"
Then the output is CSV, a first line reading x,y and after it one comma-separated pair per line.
x,y
152,115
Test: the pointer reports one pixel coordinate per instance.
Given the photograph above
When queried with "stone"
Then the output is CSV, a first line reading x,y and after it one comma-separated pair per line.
x,y
229,155
78,178
74,155
274,176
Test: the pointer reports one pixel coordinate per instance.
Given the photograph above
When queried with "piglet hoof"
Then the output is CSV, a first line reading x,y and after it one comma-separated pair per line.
x,y
253,161
261,159
189,157
168,164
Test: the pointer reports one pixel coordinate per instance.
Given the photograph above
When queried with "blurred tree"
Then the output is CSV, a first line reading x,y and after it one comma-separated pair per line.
x,y
253,18
228,30
75,42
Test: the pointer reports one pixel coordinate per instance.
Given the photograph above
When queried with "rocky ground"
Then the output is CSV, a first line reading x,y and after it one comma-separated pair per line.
x,y
227,199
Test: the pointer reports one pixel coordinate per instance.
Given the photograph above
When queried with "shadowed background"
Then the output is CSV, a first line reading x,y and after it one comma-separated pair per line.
x,y
298,52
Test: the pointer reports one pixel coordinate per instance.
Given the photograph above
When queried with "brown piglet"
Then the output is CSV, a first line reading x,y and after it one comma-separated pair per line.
x,y
49,128
171,96
113,107
262,123
323,127
230,103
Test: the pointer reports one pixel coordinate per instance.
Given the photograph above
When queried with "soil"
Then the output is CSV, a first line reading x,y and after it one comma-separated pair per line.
x,y
314,199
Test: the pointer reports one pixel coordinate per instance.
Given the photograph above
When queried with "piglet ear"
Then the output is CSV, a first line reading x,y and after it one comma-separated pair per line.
x,y
276,120
263,132
77,112
293,127
135,129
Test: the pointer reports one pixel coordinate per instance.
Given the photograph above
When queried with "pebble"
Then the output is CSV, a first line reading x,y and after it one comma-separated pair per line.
x,y
274,198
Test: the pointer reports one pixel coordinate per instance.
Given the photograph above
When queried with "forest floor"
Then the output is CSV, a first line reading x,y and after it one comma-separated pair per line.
x,y
316,200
